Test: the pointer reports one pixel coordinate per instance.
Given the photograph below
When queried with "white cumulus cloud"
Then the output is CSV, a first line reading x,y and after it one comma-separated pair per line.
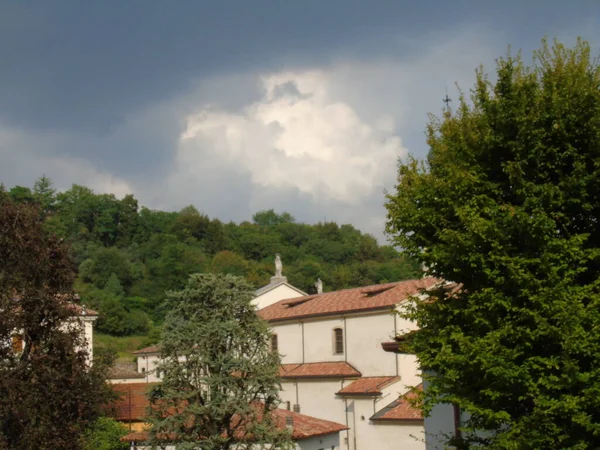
x,y
296,136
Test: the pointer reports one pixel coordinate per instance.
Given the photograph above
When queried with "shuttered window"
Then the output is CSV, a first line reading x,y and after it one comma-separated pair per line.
x,y
274,343
338,341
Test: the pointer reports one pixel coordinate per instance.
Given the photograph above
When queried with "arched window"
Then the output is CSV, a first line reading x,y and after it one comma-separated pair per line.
x,y
274,343
338,341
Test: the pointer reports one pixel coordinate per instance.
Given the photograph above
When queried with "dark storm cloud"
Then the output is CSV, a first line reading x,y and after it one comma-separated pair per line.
x,y
99,91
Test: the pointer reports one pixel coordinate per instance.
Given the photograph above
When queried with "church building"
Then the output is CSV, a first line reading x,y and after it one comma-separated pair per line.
x,y
333,366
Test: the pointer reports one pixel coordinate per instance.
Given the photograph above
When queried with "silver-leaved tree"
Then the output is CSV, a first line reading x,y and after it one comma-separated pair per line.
x,y
220,379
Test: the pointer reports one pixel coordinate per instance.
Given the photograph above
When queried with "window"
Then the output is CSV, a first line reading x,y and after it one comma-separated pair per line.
x,y
17,343
274,343
143,369
338,341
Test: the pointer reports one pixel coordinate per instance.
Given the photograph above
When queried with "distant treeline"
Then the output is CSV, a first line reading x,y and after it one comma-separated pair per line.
x,y
129,256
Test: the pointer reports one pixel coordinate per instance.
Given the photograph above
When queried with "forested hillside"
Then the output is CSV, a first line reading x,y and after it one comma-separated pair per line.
x,y
129,256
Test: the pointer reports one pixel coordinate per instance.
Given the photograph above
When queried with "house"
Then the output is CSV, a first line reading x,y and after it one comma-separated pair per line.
x,y
124,373
147,359
86,318
309,433
82,317
333,367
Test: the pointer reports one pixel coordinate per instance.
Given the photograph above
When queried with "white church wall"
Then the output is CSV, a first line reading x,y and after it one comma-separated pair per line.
x,y
316,398
281,292
363,336
327,442
289,342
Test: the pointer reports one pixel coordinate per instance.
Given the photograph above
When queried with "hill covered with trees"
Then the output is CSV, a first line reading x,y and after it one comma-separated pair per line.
x,y
128,256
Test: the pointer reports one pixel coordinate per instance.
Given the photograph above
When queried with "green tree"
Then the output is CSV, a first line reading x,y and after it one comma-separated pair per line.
x,y
48,391
44,194
507,205
221,380
105,434
21,194
229,262
102,264
269,218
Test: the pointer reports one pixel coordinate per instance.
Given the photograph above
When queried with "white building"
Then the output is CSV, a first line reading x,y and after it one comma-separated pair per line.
x,y
83,320
278,289
334,367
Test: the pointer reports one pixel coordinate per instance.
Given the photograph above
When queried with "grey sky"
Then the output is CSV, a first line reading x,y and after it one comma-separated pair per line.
x,y
236,106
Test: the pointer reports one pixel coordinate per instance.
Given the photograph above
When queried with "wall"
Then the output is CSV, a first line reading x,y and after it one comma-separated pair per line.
x,y
88,334
327,442
289,341
281,292
125,380
363,336
146,364
316,398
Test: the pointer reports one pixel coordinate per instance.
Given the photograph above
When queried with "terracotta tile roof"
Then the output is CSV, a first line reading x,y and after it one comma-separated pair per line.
x,y
338,369
368,386
303,427
151,349
72,304
81,310
133,402
400,409
123,372
379,296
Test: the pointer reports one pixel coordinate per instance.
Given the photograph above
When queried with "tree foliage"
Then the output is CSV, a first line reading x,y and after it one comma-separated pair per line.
x,y
48,392
105,434
507,205
150,252
220,377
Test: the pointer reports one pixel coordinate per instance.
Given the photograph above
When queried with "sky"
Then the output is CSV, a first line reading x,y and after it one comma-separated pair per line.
x,y
238,106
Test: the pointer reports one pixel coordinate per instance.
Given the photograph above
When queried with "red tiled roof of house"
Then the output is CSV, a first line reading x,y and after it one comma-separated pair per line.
x,y
379,296
151,349
122,372
368,386
81,310
337,369
401,409
133,401
303,427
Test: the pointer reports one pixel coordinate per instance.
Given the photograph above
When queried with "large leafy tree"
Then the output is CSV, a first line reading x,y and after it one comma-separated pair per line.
x,y
48,391
508,205
220,378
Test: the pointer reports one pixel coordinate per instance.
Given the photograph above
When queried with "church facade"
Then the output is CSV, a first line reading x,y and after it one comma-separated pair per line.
x,y
334,368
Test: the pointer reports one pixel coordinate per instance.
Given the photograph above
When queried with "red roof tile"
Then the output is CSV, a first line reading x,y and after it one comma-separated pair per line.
x,y
338,369
122,372
303,427
133,402
82,311
151,349
401,409
368,386
379,296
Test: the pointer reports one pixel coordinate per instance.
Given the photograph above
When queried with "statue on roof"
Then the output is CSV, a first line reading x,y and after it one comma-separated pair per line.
x,y
278,265
319,286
